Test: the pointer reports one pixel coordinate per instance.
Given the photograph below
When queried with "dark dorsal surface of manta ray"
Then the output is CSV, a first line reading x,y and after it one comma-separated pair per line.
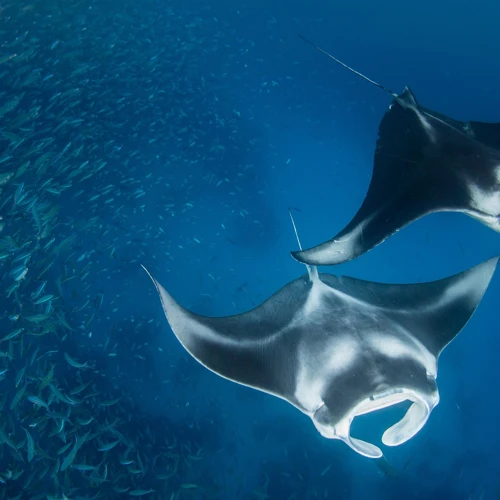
x,y
338,347
424,162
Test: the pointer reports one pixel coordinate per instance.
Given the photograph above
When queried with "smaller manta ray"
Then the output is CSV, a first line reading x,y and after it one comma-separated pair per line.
x,y
339,347
424,162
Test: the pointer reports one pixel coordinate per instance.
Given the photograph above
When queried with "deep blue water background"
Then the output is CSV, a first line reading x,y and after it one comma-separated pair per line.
x,y
308,141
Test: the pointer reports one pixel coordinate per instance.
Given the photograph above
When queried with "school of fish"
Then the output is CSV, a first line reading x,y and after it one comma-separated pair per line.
x,y
89,107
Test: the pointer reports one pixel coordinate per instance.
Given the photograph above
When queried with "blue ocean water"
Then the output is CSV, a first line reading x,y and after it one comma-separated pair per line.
x,y
200,124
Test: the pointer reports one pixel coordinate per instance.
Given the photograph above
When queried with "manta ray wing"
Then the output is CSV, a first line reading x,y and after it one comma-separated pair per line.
x,y
435,311
253,348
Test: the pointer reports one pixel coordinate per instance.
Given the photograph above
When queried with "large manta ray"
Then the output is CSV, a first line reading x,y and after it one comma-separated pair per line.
x,y
338,347
424,162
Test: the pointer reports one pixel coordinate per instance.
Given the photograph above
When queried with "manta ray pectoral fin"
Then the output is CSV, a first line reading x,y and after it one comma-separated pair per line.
x,y
244,348
405,186
335,251
440,308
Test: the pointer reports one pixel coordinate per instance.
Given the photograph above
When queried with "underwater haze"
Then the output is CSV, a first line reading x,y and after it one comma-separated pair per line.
x,y
175,135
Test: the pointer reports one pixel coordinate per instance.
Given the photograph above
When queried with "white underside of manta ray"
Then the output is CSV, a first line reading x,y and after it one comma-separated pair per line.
x,y
339,347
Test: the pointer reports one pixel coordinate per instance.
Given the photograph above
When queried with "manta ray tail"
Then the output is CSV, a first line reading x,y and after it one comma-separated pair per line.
x,y
312,271
352,70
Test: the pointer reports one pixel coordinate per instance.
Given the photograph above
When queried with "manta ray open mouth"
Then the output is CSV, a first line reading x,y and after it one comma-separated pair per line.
x,y
414,419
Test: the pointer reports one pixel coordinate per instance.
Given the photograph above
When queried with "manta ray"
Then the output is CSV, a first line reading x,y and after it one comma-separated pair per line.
x,y
424,162
337,347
